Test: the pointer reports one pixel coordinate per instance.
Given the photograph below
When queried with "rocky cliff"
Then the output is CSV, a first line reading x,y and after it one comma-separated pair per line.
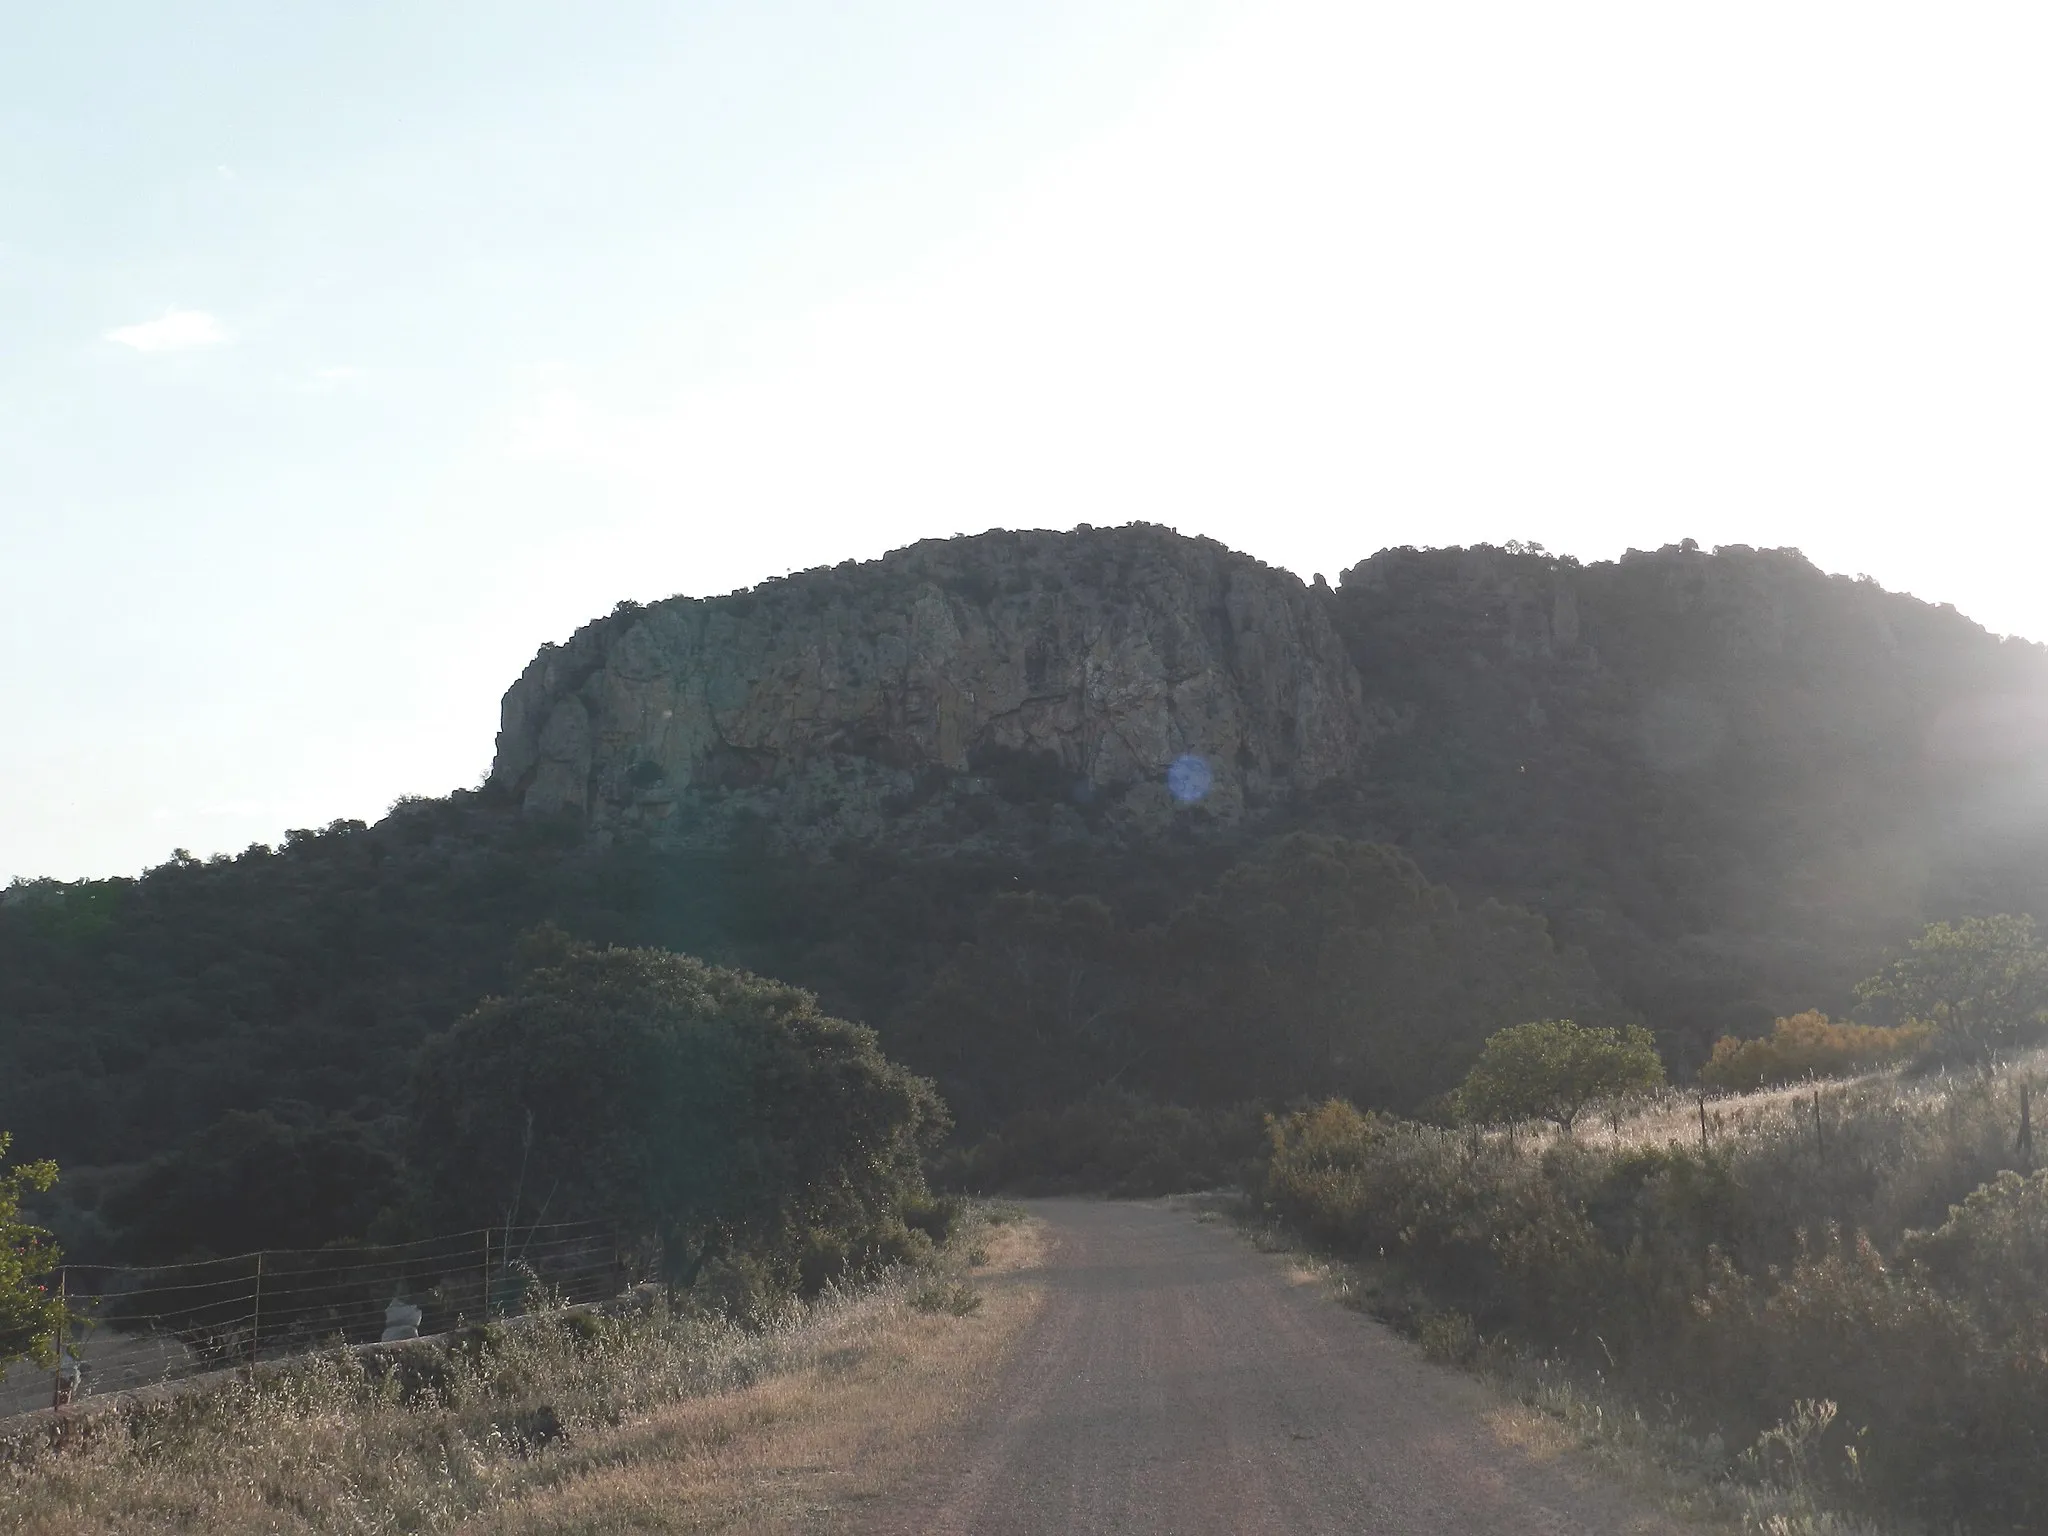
x,y
1010,685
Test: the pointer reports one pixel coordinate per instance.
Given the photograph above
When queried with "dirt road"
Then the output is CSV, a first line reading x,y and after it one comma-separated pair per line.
x,y
1177,1381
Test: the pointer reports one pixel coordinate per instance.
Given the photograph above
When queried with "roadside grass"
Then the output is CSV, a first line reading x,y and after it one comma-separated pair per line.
x,y
1947,1100
811,1448
666,1420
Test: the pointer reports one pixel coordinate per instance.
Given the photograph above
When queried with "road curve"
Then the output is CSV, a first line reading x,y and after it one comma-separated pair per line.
x,y
1178,1382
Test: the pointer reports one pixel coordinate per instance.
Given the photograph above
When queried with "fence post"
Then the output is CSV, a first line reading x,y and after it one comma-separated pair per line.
x,y
1704,1147
2026,1141
58,1341
256,1316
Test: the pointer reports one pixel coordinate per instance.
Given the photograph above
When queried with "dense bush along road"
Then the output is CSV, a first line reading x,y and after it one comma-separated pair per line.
x,y
1177,1381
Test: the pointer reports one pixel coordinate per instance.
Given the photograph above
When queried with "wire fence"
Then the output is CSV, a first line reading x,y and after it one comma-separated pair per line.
x,y
138,1325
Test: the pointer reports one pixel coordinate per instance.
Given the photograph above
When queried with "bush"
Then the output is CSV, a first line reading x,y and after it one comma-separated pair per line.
x,y
719,1115
29,1315
1993,1249
1810,1045
1449,1338
951,1298
1981,985
936,1216
1317,1161
253,1180
1553,1069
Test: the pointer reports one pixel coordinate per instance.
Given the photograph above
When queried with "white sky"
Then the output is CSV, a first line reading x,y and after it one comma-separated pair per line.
x,y
347,356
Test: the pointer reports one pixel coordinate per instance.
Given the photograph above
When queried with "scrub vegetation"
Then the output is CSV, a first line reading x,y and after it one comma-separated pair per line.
x,y
30,1315
729,1126
1837,1289
1811,1044
1844,1285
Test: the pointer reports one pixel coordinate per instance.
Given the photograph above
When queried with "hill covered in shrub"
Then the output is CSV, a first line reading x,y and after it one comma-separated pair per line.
x,y
1697,791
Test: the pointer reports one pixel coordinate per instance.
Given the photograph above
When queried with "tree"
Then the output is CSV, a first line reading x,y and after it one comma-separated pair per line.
x,y
29,1314
284,1177
1552,1069
1034,1012
1329,965
1982,984
722,1115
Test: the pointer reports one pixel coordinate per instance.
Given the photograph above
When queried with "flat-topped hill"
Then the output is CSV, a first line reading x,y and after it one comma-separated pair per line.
x,y
1704,789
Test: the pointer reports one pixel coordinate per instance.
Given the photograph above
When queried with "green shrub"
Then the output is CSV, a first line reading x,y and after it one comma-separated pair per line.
x,y
953,1299
304,1181
1317,1163
30,1315
1993,1250
936,1216
1554,1068
722,1117
1449,1338
741,1287
1981,985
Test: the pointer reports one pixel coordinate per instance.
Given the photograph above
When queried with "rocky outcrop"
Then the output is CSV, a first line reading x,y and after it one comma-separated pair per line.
x,y
1100,681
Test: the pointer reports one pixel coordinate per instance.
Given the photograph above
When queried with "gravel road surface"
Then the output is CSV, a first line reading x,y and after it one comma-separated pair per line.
x,y
1178,1381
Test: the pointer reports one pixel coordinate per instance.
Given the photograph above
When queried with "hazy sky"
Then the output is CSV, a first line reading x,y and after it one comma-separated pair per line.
x,y
349,352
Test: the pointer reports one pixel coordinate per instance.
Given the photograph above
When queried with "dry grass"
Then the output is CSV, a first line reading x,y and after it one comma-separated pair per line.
x,y
657,1423
810,1448
1674,1114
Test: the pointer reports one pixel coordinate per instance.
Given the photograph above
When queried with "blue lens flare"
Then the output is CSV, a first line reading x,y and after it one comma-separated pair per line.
x,y
1189,779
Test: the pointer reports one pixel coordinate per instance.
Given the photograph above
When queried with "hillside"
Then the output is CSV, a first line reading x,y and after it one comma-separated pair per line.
x,y
1732,778
1702,788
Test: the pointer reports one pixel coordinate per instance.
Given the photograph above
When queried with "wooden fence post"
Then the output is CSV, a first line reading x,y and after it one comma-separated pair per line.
x,y
2026,1141
58,1396
256,1317
1704,1145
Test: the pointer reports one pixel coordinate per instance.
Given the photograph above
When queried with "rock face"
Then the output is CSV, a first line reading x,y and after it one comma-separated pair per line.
x,y
1101,681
